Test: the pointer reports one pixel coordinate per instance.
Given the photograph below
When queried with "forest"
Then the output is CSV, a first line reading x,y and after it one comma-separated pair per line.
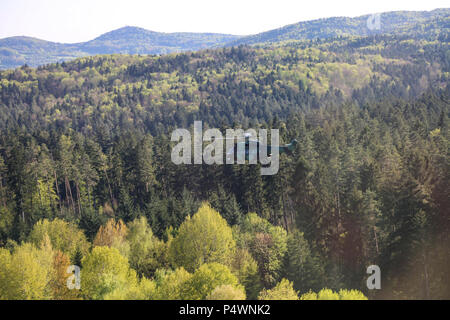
x,y
86,177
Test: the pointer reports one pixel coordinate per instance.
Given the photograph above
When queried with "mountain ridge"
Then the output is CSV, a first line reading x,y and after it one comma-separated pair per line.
x,y
19,50
344,26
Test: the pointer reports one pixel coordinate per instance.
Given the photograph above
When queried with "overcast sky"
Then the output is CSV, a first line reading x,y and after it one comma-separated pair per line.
x,y
82,20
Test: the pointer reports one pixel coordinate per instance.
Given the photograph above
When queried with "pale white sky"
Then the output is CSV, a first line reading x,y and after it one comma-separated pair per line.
x,y
82,20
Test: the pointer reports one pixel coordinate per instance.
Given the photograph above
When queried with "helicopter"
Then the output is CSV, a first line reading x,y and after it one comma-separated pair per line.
x,y
251,154
245,148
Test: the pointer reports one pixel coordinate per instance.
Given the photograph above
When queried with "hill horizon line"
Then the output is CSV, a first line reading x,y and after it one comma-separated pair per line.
x,y
138,28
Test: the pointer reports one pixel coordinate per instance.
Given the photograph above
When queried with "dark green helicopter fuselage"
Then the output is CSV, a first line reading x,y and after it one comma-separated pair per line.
x,y
253,153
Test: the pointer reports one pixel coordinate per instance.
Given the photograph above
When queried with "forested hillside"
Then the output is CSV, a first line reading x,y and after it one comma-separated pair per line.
x,y
17,51
86,176
416,24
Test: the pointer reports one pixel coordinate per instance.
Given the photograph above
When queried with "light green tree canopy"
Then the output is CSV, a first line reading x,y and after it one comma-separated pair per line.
x,y
226,292
207,278
104,271
204,238
328,294
147,253
284,290
64,236
171,284
25,274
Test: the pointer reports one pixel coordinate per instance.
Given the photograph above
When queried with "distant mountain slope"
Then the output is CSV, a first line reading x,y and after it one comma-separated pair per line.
x,y
133,40
396,22
16,51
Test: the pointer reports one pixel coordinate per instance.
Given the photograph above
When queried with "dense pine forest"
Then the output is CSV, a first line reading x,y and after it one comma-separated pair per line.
x,y
86,176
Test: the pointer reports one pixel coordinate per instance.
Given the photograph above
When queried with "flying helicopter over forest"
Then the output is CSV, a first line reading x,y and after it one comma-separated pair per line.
x,y
241,147
251,153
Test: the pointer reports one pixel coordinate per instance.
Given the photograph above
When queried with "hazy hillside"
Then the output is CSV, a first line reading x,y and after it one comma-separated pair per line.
x,y
17,51
133,40
397,22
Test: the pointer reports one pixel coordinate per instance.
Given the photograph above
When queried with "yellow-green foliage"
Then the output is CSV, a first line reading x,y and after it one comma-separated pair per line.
x,y
207,278
147,253
105,271
351,295
25,274
45,195
204,238
145,289
328,294
284,290
309,296
64,236
226,292
171,284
